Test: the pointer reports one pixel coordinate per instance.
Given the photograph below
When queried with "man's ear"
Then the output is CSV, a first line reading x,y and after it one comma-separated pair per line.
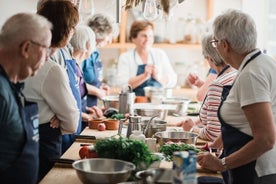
x,y
24,49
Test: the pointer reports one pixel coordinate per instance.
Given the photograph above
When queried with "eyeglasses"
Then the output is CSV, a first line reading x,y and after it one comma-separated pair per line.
x,y
49,50
214,43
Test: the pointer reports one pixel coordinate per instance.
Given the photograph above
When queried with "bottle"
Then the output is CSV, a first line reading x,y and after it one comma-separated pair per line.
x,y
184,167
137,135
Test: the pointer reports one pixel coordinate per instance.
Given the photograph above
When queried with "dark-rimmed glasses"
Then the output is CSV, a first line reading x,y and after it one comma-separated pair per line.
x,y
49,50
214,43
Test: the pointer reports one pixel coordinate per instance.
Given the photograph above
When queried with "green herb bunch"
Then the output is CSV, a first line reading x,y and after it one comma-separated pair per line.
x,y
130,150
168,149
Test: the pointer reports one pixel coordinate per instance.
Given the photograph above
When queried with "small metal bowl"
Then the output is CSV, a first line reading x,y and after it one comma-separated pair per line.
x,y
174,136
162,113
111,102
103,170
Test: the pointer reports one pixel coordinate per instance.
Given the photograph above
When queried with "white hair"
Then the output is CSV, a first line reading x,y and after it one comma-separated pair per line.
x,y
23,26
82,38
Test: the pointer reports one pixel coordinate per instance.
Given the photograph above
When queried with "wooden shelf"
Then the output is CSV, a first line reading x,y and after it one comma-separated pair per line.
x,y
157,45
122,45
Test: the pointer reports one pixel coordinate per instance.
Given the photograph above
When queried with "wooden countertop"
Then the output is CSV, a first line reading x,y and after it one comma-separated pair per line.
x,y
61,174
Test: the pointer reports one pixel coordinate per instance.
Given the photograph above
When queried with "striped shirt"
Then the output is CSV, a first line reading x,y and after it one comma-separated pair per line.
x,y
210,125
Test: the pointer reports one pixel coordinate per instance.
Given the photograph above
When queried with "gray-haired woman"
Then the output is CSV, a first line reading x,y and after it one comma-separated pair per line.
x,y
207,125
248,114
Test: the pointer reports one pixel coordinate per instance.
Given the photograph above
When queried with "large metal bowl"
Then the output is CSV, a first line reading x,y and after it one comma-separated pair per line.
x,y
111,101
103,170
175,136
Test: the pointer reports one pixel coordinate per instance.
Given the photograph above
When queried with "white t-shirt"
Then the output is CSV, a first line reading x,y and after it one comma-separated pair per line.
x,y
129,61
255,83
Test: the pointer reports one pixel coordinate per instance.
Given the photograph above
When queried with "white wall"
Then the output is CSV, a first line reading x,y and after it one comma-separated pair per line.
x,y
182,59
10,7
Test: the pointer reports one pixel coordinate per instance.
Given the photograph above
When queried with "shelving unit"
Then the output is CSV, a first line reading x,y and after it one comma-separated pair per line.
x,y
123,45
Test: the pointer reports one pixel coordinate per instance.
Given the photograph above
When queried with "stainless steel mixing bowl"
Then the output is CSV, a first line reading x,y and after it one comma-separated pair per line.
x,y
174,136
103,170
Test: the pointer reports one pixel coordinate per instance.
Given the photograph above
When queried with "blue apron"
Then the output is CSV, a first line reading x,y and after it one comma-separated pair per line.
x,y
25,167
71,65
233,139
139,90
92,72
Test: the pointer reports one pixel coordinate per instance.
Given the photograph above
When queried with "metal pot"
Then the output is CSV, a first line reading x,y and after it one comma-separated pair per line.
x,y
174,136
157,125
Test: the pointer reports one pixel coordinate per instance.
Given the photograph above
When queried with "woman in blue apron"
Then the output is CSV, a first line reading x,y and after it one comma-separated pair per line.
x,y
139,91
93,74
25,168
71,66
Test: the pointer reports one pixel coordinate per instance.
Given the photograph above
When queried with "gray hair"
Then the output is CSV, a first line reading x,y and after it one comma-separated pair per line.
x,y
238,29
83,35
209,51
23,26
103,25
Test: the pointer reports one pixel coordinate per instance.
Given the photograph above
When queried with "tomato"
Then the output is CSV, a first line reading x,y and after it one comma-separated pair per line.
x,y
83,152
101,127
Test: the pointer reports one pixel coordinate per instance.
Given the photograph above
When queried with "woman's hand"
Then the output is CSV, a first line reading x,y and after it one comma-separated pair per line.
x,y
187,124
95,111
195,80
55,122
155,73
209,161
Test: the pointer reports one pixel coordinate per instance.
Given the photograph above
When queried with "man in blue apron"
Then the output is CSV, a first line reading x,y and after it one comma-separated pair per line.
x,y
19,123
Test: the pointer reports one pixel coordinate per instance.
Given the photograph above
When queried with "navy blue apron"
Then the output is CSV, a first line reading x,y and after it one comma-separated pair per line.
x,y
139,91
233,139
92,67
25,167
71,65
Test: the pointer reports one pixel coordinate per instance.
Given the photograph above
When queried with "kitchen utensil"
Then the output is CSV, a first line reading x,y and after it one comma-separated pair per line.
x,y
157,125
175,136
126,101
133,124
181,105
103,170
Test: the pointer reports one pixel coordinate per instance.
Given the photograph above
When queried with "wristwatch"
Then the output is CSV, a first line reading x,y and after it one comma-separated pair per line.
x,y
224,163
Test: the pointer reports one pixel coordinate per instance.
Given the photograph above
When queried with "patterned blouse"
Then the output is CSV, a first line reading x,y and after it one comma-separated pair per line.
x,y
210,125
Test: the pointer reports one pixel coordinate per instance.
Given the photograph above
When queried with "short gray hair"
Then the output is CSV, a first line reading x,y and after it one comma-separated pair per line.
x,y
23,26
103,25
83,35
238,29
209,51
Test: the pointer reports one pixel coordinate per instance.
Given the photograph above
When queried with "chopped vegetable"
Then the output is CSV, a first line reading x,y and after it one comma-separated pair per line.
x,y
168,149
130,150
118,116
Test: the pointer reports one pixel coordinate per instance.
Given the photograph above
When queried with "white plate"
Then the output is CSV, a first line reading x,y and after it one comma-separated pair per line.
x,y
154,106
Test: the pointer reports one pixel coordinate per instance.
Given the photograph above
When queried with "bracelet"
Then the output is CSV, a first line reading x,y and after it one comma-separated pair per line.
x,y
224,163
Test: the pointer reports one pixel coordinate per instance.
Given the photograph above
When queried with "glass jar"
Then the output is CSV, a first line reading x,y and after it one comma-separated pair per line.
x,y
137,135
